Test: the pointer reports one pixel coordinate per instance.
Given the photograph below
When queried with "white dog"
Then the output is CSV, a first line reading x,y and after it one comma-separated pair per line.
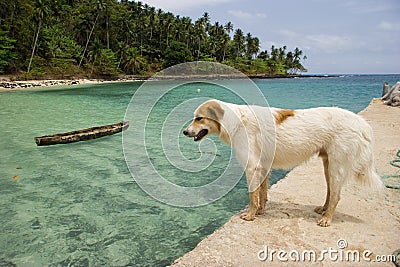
x,y
266,138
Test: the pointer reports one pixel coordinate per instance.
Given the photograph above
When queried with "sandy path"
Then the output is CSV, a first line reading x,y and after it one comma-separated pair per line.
x,y
366,222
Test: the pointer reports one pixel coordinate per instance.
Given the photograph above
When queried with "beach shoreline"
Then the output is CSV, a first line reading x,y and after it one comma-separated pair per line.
x,y
363,221
9,83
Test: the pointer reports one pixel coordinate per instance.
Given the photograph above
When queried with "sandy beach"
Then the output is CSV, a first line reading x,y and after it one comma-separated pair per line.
x,y
8,85
364,224
28,84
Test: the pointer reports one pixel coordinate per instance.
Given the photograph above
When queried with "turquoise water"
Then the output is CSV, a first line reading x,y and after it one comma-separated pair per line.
x,y
78,204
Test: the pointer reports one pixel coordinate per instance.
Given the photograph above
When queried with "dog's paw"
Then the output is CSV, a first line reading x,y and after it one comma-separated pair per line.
x,y
320,210
324,222
260,211
247,217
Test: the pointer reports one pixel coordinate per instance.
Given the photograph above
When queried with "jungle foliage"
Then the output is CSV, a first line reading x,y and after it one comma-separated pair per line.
x,y
109,37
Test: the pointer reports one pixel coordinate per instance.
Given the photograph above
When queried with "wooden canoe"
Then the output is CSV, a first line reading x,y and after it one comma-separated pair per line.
x,y
81,135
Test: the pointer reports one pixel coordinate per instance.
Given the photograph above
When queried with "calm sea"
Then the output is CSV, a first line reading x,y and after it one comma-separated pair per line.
x,y
78,205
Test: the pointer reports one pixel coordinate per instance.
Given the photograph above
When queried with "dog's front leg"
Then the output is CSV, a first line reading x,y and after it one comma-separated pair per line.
x,y
263,195
253,181
249,216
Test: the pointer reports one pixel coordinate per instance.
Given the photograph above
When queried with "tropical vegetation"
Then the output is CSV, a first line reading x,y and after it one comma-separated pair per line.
x,y
110,37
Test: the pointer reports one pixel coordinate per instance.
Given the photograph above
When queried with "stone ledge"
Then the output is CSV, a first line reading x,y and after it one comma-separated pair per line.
x,y
366,221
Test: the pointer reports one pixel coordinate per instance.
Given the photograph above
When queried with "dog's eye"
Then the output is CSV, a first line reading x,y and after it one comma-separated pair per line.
x,y
198,118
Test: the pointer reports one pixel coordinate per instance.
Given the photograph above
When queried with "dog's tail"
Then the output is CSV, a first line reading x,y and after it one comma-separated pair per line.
x,y
370,178
367,174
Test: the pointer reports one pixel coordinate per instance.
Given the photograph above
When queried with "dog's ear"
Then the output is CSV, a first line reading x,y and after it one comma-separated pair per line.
x,y
215,111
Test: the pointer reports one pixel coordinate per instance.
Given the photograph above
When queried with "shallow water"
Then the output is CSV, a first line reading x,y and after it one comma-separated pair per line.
x,y
78,204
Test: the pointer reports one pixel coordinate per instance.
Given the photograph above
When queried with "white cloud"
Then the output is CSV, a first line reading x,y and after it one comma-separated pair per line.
x,y
289,34
261,15
329,43
183,5
246,15
388,26
368,6
326,43
240,14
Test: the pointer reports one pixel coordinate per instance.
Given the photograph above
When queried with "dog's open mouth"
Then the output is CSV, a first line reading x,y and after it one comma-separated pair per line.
x,y
200,135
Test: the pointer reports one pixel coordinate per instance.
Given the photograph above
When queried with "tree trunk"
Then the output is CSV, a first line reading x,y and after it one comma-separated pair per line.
x,y
34,48
87,42
108,31
91,72
119,62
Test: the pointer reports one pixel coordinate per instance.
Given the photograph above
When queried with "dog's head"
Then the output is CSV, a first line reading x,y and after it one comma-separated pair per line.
x,y
207,120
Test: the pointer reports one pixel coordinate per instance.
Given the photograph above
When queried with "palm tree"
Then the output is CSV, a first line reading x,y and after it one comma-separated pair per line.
x,y
238,40
296,64
152,16
206,21
228,27
297,53
41,10
168,23
160,15
253,48
263,55
133,59
290,63
225,40
95,53
122,48
107,26
187,24
200,33
87,41
274,53
99,6
282,53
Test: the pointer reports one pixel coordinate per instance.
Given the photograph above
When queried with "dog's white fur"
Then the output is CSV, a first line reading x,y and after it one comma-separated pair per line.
x,y
266,138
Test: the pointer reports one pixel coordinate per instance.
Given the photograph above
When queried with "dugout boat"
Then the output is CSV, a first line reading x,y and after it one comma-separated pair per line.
x,y
81,135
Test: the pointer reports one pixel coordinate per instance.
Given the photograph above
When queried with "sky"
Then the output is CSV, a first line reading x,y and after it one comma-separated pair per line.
x,y
337,36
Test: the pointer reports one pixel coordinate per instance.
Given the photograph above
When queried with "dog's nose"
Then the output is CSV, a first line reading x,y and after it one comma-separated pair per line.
x,y
185,132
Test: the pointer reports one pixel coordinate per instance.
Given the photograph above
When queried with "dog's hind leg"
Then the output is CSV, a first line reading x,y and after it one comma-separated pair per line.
x,y
336,178
322,209
263,195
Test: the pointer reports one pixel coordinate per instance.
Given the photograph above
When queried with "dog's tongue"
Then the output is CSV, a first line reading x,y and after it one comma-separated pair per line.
x,y
200,135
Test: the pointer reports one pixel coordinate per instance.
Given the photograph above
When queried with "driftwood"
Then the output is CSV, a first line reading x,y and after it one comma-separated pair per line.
x,y
392,97
81,135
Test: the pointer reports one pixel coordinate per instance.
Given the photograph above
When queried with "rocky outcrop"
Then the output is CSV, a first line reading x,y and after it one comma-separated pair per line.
x,y
392,96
